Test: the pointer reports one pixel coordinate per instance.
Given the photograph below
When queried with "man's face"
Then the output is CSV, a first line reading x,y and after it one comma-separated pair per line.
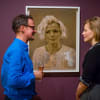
x,y
53,33
29,30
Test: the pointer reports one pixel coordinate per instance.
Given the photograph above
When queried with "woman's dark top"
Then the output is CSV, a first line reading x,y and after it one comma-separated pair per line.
x,y
91,66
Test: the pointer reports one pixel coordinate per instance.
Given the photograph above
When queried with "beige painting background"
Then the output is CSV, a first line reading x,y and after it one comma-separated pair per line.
x,y
66,15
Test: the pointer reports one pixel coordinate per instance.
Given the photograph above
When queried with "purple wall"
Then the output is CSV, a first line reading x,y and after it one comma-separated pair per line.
x,y
51,88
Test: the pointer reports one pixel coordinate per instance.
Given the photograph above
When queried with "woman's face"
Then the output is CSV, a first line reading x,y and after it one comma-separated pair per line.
x,y
88,34
53,33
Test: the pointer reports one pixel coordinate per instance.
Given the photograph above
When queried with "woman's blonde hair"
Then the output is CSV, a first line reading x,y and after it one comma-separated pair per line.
x,y
94,24
41,28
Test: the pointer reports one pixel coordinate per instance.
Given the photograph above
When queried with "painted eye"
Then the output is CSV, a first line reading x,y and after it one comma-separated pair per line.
x,y
47,32
55,31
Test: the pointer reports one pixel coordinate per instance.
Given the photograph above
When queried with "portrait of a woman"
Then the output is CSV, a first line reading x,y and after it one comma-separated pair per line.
x,y
53,55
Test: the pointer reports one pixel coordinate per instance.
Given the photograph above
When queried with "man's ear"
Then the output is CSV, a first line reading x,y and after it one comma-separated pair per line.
x,y
21,29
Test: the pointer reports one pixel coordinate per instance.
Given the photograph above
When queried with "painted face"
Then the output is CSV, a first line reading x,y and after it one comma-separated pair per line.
x,y
30,30
53,33
88,34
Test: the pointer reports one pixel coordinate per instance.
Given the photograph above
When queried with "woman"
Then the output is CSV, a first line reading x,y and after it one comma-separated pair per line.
x,y
54,55
89,85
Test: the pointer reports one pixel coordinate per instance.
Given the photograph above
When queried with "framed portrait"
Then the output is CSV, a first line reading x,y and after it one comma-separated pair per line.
x,y
56,41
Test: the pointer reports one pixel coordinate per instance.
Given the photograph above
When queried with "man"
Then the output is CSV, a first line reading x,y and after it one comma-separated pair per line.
x,y
17,76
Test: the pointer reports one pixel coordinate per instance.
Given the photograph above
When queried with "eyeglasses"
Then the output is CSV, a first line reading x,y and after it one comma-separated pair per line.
x,y
32,27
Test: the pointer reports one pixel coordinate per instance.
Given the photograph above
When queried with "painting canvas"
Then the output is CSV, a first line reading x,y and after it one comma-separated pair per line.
x,y
56,43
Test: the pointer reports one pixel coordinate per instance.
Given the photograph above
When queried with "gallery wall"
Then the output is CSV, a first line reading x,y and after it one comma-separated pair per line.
x,y
50,88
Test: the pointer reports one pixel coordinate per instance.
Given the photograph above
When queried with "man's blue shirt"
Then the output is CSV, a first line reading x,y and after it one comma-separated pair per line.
x,y
17,75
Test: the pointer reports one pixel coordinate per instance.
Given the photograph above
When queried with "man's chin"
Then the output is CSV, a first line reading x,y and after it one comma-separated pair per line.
x,y
31,39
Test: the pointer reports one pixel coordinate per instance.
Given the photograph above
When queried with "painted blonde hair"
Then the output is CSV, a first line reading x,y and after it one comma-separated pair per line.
x,y
94,24
41,28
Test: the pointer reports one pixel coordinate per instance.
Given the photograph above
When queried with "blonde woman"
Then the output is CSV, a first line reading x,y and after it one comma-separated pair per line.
x,y
54,55
89,85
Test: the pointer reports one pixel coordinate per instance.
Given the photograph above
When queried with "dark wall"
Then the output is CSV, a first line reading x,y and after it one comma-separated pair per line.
x,y
51,88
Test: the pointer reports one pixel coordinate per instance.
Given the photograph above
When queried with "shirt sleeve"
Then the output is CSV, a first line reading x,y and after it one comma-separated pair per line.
x,y
89,68
16,77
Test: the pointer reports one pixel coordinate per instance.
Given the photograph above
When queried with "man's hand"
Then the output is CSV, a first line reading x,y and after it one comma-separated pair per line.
x,y
77,97
80,89
38,75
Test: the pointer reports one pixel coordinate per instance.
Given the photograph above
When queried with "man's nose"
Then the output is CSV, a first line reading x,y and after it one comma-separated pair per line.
x,y
34,31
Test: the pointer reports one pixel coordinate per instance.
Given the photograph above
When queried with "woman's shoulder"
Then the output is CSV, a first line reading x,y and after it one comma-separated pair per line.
x,y
40,49
67,48
95,48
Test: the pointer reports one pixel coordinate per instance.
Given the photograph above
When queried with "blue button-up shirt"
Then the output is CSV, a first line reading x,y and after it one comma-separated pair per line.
x,y
17,75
